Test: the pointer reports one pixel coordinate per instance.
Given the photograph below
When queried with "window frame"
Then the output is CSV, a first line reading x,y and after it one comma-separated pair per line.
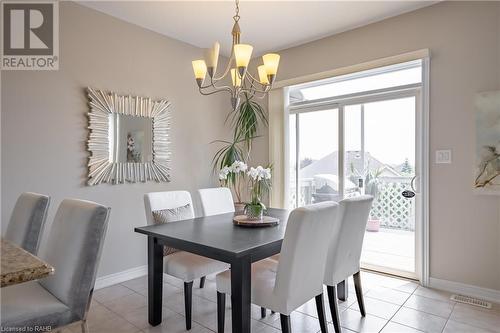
x,y
339,102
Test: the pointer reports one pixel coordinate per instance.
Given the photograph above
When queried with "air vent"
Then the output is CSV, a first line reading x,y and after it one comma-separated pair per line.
x,y
471,301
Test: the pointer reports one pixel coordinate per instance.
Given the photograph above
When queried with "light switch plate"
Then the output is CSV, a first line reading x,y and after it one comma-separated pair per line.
x,y
443,156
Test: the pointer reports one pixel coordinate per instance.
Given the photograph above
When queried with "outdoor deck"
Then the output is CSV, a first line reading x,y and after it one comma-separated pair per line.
x,y
391,248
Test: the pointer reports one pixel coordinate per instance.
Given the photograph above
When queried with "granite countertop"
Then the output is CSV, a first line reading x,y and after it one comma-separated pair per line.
x,y
18,265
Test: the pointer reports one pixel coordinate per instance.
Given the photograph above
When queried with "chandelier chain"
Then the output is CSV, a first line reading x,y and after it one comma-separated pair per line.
x,y
236,17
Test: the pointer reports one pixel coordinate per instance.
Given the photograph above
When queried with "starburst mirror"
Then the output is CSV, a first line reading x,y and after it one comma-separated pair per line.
x,y
128,139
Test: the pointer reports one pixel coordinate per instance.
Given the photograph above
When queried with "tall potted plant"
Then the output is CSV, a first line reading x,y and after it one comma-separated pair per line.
x,y
245,122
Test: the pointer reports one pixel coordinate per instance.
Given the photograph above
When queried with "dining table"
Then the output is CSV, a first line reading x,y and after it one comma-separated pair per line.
x,y
19,266
218,238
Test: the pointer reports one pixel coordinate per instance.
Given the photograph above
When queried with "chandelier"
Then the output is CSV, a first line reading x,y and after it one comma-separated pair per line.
x,y
242,81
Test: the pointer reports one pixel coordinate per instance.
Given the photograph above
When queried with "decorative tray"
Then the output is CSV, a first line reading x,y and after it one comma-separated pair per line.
x,y
266,221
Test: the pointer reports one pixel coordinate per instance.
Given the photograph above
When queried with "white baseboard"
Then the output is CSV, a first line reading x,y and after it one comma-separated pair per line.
x,y
490,295
129,274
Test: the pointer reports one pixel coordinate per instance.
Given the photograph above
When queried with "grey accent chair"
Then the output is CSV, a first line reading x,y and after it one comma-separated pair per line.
x,y
28,220
73,248
344,254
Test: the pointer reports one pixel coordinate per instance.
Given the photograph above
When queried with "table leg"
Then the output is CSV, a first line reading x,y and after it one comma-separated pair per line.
x,y
342,290
155,280
241,275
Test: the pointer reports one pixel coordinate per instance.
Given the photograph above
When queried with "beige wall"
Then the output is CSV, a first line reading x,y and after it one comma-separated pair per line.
x,y
464,42
44,122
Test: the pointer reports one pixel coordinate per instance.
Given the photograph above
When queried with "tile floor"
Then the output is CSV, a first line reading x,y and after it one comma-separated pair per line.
x,y
392,305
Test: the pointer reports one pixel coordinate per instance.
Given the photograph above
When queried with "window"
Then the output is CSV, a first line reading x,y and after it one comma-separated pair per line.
x,y
332,143
317,141
375,79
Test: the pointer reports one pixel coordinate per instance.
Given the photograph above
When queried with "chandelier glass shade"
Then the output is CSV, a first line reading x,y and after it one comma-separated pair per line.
x,y
241,80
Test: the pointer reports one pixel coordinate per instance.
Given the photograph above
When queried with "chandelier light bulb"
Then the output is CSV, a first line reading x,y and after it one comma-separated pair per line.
x,y
263,74
242,54
212,58
271,61
200,70
235,78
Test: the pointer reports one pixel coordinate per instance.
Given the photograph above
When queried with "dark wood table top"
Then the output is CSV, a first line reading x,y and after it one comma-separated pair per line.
x,y
216,236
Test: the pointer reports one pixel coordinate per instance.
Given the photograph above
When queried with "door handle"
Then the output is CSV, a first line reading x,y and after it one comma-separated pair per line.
x,y
408,194
412,184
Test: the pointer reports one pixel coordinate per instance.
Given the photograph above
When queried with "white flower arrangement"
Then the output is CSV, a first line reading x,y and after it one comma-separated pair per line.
x,y
260,183
232,175
259,173
236,168
239,166
224,172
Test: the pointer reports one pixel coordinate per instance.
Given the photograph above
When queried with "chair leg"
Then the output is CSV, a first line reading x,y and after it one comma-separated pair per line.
x,y
286,326
202,282
320,307
342,290
263,312
221,312
332,299
84,326
188,300
359,293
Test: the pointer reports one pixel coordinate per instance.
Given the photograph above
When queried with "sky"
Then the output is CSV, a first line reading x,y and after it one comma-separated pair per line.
x,y
389,125
389,131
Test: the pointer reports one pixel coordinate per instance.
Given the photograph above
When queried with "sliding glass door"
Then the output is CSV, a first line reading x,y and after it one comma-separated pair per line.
x,y
380,160
362,134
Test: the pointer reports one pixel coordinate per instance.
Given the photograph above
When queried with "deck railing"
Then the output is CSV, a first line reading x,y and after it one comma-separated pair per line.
x,y
391,208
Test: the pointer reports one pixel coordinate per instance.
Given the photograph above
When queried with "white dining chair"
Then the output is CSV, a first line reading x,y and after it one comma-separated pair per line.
x,y
216,201
28,220
171,206
345,252
73,248
298,276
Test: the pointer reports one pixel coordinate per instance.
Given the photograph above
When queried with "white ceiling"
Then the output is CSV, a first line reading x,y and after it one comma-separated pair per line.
x,y
267,25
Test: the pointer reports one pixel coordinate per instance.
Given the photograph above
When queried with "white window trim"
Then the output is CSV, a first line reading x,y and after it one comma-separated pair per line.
x,y
388,61
356,98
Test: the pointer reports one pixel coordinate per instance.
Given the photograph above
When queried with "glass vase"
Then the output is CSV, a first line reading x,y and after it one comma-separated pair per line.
x,y
254,211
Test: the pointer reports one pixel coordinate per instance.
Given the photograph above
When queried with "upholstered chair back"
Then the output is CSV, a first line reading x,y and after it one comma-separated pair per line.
x,y
74,248
166,200
28,220
303,254
344,253
215,201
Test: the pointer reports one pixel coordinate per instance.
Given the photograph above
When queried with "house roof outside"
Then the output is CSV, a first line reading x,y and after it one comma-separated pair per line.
x,y
329,165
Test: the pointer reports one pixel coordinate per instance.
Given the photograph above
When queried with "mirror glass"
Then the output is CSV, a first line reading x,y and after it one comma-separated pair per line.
x,y
131,139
